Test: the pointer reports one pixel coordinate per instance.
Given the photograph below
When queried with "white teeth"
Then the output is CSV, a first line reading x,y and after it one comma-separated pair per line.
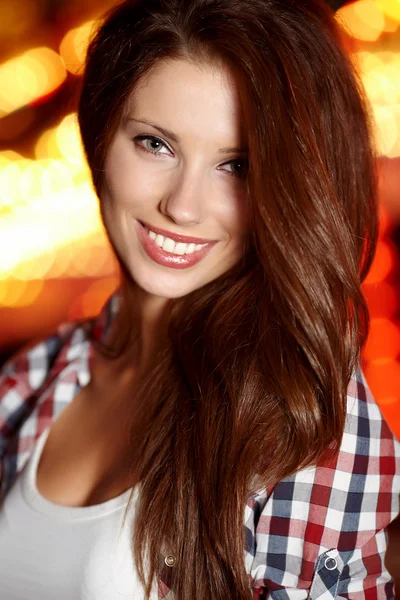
x,y
169,245
159,240
180,248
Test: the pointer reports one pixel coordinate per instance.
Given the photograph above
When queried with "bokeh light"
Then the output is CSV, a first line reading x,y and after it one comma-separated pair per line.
x,y
382,299
73,46
383,341
391,8
28,77
364,20
55,260
383,263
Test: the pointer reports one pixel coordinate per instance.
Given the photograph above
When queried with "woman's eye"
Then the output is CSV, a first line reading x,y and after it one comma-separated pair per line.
x,y
152,144
237,168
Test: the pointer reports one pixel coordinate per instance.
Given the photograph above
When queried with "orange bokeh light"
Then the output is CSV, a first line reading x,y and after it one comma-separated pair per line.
x,y
384,221
90,303
383,340
383,263
382,299
383,376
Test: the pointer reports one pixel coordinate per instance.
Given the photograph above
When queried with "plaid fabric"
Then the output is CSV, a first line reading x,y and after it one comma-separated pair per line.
x,y
318,534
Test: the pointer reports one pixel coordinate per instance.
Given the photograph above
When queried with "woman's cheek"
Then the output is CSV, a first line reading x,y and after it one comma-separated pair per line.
x,y
234,212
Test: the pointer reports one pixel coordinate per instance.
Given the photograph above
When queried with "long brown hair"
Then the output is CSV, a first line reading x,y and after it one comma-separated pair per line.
x,y
253,385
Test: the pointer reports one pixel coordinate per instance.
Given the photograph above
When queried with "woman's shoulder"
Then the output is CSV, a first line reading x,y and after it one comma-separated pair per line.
x,y
32,364
29,367
337,509
39,380
369,454
367,436
26,382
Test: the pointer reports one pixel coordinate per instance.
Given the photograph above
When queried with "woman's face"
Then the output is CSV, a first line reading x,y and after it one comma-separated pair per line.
x,y
174,201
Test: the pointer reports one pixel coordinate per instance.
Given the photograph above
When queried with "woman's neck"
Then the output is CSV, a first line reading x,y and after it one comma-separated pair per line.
x,y
148,316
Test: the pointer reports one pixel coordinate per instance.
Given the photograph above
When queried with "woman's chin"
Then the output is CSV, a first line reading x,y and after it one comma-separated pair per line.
x,y
163,286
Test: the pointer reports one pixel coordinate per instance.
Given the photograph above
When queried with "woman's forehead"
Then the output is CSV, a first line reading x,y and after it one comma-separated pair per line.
x,y
189,99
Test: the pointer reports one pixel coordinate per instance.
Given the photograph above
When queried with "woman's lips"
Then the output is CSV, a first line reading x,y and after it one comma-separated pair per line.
x,y
185,239
167,259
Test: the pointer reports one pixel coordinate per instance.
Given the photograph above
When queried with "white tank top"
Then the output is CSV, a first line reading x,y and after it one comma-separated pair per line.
x,y
51,551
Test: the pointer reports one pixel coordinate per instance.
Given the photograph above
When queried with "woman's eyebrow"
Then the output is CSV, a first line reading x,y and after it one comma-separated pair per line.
x,y
162,130
175,138
233,150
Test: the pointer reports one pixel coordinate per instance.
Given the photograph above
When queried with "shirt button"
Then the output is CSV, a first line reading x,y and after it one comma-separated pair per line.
x,y
170,560
331,564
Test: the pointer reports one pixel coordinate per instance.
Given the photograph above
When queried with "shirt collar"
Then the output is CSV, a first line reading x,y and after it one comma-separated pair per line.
x,y
103,322
100,329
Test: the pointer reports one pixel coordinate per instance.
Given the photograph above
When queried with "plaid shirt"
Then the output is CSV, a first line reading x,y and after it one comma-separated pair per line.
x,y
318,534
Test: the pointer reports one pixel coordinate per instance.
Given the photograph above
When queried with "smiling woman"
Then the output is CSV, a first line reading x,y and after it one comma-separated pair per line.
x,y
178,201
211,435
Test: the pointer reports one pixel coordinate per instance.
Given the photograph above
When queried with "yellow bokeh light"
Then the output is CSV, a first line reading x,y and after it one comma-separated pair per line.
x,y
363,19
32,291
74,45
46,145
69,140
26,78
7,156
56,178
379,87
386,128
394,151
61,266
30,182
88,262
13,292
61,211
391,8
16,293
32,73
390,25
38,268
381,78
368,61
10,183
48,204
23,236
65,192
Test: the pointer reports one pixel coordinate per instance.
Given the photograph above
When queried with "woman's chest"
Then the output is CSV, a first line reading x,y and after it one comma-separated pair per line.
x,y
85,460
49,551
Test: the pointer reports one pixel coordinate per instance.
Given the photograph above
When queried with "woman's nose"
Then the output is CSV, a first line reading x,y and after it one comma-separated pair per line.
x,y
184,202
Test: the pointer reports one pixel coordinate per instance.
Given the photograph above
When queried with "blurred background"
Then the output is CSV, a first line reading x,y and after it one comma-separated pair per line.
x,y
55,262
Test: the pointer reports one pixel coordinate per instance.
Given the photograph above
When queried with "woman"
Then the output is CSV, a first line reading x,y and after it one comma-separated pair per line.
x,y
219,390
